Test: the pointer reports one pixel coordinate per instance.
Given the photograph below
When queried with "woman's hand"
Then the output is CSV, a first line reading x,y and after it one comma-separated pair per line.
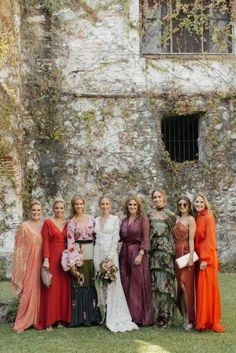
x,y
46,264
203,265
138,259
190,262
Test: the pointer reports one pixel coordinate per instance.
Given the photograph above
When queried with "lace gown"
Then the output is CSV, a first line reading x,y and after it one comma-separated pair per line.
x,y
111,299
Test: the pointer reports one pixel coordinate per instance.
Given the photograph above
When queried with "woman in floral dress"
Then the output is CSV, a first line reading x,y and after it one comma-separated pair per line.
x,y
161,261
80,239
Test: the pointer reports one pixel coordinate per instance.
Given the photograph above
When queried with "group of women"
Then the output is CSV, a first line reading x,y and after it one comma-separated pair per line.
x,y
144,292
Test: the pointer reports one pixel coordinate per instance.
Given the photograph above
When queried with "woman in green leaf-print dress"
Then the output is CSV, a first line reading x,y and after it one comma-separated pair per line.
x,y
161,261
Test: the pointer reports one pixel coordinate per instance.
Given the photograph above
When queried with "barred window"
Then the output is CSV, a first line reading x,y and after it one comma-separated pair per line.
x,y
180,137
186,26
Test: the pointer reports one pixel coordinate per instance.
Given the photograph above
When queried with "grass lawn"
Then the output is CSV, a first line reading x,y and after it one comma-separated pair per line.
x,y
145,340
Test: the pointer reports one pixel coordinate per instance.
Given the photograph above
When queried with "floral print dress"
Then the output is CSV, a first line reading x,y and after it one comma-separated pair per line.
x,y
85,311
161,263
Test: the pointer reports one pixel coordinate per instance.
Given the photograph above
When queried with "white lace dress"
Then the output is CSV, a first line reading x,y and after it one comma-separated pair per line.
x,y
111,299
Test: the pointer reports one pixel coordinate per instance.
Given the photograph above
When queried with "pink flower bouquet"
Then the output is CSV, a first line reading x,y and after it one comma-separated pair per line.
x,y
107,272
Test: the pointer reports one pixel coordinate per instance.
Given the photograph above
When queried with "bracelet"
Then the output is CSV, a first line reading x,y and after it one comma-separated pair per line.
x,y
141,252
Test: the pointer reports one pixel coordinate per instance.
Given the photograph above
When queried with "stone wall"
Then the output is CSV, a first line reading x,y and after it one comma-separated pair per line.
x,y
91,114
11,171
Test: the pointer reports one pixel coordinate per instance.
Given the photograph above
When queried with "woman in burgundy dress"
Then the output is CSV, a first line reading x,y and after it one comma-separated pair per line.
x,y
55,306
183,233
134,271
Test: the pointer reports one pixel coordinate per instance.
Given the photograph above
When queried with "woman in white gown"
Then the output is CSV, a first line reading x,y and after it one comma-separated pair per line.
x,y
111,298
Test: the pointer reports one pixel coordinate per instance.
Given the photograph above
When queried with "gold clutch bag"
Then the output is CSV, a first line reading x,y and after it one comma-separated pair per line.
x,y
183,260
46,277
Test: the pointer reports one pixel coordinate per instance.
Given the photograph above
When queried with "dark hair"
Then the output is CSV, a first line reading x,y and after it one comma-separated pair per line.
x,y
139,204
185,198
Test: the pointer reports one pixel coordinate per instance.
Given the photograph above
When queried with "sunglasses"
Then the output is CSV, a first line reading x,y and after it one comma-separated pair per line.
x,y
184,204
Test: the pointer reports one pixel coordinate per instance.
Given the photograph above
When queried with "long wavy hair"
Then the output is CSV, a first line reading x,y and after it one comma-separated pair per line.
x,y
140,211
206,202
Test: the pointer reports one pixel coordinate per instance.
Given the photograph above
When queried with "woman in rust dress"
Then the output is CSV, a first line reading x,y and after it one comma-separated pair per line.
x,y
134,272
55,306
183,233
208,308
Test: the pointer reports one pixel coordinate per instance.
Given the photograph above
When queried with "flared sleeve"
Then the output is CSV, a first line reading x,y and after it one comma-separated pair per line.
x,y
115,238
145,242
20,259
70,236
208,246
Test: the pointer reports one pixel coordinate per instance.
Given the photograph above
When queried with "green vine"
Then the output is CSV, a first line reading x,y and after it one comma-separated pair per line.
x,y
190,26
53,6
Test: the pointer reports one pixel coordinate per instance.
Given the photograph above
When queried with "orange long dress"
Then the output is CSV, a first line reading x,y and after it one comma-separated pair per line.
x,y
55,305
26,276
208,309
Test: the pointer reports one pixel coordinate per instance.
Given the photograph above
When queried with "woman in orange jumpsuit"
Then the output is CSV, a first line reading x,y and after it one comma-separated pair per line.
x,y
208,310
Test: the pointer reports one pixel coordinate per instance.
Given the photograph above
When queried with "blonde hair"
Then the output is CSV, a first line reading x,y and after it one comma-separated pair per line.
x,y
58,200
163,194
35,202
104,197
139,204
32,203
73,201
206,202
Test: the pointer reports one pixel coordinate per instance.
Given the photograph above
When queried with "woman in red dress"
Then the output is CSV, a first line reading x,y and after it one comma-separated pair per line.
x,y
183,233
208,310
55,306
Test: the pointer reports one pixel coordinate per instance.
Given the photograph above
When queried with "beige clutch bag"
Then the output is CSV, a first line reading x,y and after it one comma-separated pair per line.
x,y
183,260
46,277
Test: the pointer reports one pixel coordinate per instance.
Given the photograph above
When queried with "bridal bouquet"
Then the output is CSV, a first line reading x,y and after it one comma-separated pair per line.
x,y
107,272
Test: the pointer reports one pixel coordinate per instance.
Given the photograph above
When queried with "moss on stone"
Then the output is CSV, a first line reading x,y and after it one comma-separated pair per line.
x,y
3,268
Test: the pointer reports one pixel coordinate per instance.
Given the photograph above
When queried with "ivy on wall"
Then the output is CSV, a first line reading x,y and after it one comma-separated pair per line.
x,y
188,26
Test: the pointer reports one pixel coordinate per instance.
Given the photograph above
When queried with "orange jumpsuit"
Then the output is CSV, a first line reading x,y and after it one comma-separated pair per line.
x,y
208,310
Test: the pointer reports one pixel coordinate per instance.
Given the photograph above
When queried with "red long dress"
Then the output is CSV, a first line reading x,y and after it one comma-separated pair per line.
x,y
208,311
55,303
185,276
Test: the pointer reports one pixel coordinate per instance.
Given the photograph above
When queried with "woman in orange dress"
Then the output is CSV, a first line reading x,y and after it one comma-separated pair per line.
x,y
208,310
55,306
26,269
183,233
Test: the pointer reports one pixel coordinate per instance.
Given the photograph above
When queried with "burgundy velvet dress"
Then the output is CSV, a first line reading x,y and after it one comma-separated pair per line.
x,y
185,276
55,305
136,279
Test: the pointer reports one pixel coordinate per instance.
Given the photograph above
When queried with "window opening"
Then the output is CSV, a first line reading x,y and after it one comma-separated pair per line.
x,y
180,137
